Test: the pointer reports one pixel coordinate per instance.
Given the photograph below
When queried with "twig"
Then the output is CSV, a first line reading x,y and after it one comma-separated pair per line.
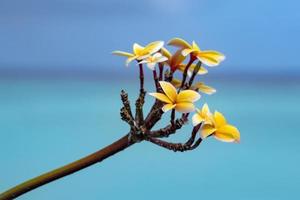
x,y
195,72
139,116
192,59
141,77
178,146
161,70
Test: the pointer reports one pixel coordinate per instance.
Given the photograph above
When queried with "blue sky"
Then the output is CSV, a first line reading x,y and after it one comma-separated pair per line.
x,y
256,36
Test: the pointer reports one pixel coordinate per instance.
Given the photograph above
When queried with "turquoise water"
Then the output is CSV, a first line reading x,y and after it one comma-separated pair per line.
x,y
45,124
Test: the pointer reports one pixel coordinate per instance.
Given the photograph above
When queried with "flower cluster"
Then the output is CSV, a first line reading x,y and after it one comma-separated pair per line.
x,y
180,95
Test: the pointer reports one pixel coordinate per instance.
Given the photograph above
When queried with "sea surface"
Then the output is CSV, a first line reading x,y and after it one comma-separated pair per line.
x,y
47,123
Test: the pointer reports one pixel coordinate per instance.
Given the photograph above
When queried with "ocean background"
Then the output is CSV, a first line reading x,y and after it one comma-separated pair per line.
x,y
60,86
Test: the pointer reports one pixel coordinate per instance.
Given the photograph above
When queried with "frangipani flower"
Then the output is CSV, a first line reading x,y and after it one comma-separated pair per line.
x,y
198,86
175,60
152,60
203,88
207,57
181,102
202,116
140,52
220,129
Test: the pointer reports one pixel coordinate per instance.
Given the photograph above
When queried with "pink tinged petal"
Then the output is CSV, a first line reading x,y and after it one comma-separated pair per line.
x,y
219,119
228,133
197,119
151,65
157,55
168,107
188,96
169,90
122,53
207,130
185,107
144,56
205,88
161,59
143,61
161,97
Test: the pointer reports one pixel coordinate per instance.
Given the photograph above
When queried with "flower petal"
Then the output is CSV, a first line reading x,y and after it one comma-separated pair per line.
x,y
207,130
177,58
195,46
219,119
130,59
188,96
227,133
210,58
176,83
201,71
185,107
168,107
166,53
197,119
137,49
161,59
186,52
169,90
205,109
151,65
161,97
178,42
204,88
122,53
154,47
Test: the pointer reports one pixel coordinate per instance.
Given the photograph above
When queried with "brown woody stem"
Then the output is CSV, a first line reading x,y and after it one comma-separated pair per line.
x,y
141,77
161,70
192,59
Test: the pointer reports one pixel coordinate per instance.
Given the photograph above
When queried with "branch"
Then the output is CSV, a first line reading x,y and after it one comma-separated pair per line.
x,y
161,70
168,130
154,115
178,146
141,77
125,111
139,116
195,72
192,59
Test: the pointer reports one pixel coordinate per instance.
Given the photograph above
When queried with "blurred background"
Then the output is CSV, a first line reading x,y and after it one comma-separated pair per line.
x,y
59,97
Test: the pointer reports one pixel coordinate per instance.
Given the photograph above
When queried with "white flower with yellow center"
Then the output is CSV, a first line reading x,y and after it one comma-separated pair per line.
x,y
140,52
152,60
202,116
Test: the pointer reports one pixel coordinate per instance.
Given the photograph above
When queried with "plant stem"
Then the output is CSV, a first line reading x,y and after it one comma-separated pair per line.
x,y
68,169
192,59
141,78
